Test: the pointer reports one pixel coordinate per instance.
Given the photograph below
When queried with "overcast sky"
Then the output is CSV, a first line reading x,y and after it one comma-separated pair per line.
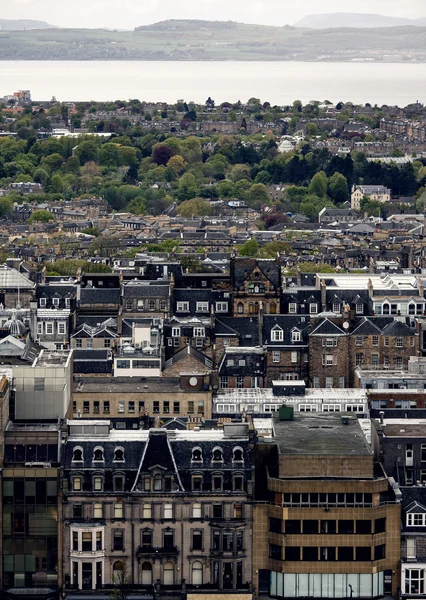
x,y
131,13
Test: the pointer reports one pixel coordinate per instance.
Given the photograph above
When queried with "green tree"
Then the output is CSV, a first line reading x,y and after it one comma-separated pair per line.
x,y
6,207
225,189
52,162
187,187
177,164
87,151
195,207
338,187
41,216
318,185
56,184
258,195
308,267
109,155
271,249
40,176
249,248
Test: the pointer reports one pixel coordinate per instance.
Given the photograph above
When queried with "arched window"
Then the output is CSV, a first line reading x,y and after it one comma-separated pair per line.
x,y
146,573
386,309
256,308
240,308
256,288
411,309
163,305
197,455
151,304
118,572
98,454
168,573
238,455
217,455
251,308
273,308
129,304
197,573
119,454
77,454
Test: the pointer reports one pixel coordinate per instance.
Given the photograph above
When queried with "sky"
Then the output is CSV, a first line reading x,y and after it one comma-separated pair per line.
x,y
132,13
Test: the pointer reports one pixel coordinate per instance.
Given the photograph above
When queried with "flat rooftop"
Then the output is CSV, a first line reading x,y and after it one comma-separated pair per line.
x,y
321,434
128,385
52,358
404,428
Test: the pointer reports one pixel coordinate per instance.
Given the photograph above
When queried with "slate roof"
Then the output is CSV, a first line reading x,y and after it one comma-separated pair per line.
x,y
366,327
287,323
146,289
158,452
397,329
241,268
246,328
100,296
327,327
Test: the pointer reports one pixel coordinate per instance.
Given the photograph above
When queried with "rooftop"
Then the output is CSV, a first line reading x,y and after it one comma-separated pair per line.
x,y
321,434
404,428
128,385
55,358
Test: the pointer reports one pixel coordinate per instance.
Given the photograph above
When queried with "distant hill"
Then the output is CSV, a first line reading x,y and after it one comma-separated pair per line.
x,y
362,20
188,25
217,40
23,25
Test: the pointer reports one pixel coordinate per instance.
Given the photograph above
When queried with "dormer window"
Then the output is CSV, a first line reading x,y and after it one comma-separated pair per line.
x,y
77,455
292,308
217,455
55,301
416,520
197,455
277,334
313,308
336,307
98,454
158,483
42,301
119,454
296,335
359,309
67,302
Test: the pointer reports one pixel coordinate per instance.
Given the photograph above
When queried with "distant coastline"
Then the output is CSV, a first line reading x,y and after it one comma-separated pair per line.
x,y
205,41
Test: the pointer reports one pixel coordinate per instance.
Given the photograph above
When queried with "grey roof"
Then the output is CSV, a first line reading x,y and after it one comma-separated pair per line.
x,y
146,289
13,279
327,327
321,434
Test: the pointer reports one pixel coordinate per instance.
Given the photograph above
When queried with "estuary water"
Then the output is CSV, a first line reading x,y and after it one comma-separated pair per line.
x,y
275,82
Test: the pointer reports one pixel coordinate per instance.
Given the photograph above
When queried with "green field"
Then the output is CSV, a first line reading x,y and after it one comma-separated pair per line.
x,y
205,40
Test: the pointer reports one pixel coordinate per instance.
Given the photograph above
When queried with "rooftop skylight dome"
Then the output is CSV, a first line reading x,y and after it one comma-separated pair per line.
x,y
15,325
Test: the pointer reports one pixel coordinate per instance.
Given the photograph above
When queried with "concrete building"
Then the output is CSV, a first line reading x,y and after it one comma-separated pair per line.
x,y
329,526
43,389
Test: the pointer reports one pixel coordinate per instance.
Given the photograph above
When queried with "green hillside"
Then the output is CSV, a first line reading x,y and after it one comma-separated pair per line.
x,y
208,40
